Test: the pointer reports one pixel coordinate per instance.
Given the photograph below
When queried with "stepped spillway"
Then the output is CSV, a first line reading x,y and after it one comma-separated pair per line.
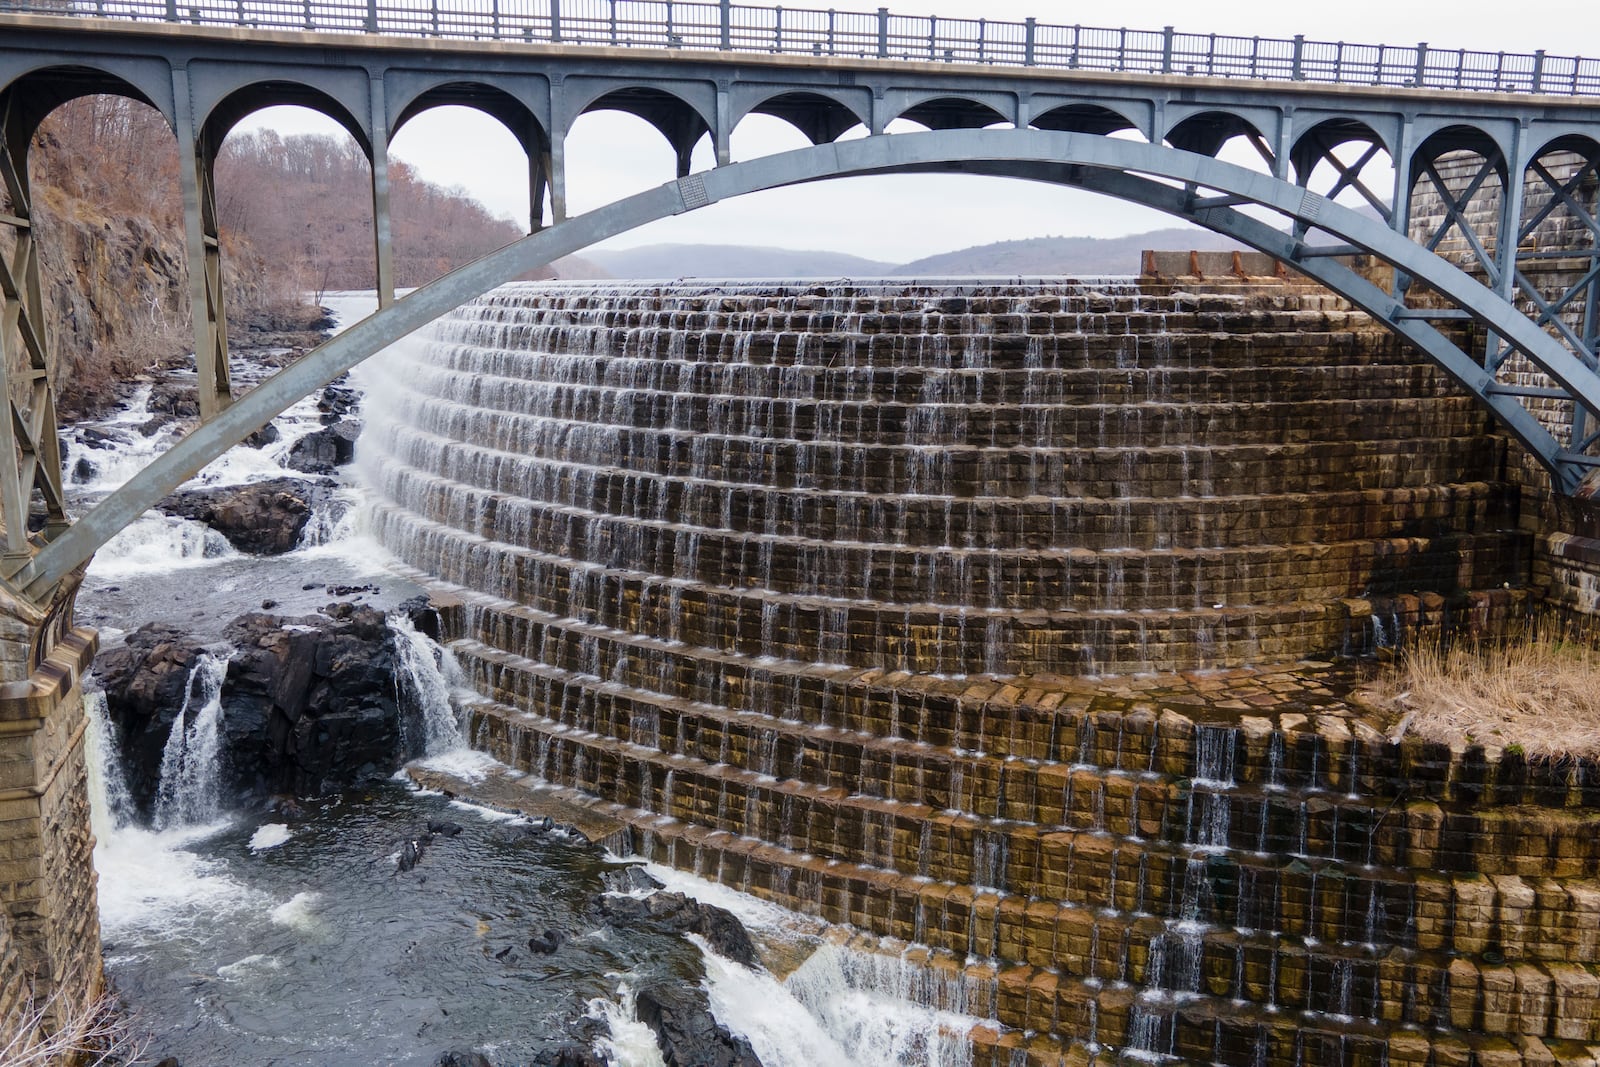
x,y
976,616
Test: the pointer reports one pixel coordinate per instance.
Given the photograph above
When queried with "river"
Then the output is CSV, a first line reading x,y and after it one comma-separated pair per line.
x,y
248,939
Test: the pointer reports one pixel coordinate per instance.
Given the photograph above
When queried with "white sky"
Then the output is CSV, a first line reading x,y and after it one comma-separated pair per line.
x,y
900,218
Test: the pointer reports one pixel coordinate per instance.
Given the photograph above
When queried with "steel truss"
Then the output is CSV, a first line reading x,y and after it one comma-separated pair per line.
x,y
30,452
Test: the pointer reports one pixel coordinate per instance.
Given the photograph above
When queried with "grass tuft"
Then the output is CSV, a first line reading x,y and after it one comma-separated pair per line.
x,y
1538,693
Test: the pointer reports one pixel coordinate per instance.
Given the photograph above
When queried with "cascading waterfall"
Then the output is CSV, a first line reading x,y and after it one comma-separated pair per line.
x,y
190,788
1172,973
427,675
805,569
110,801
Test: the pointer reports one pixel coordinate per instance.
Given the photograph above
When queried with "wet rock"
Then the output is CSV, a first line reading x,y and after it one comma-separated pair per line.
x,y
679,914
546,943
145,679
175,397
263,518
630,879
462,1059
320,451
689,1035
310,705
566,1056
338,401
411,850
263,437
443,827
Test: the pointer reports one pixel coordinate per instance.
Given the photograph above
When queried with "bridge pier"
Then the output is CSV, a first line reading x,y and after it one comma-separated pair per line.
x,y
49,917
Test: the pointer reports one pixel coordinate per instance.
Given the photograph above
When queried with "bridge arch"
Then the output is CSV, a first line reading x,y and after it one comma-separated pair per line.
x,y
821,115
942,111
225,115
676,116
499,102
43,88
1159,176
1207,131
1087,118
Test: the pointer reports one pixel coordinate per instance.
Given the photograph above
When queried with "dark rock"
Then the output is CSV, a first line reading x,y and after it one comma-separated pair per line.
x,y
443,827
462,1059
679,914
546,943
178,398
338,401
310,705
170,1061
629,879
83,470
263,518
94,437
320,451
145,680
411,851
268,605
351,590
263,437
689,1036
570,832
504,953
566,1056
308,586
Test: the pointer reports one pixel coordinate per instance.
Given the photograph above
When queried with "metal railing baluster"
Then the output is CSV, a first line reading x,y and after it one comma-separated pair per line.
x,y
710,24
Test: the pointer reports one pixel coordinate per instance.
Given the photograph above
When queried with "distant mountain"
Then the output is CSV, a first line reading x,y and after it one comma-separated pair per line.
x,y
1065,255
1035,255
728,261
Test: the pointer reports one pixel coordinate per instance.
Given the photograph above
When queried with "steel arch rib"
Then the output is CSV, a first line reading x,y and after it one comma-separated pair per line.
x,y
1027,153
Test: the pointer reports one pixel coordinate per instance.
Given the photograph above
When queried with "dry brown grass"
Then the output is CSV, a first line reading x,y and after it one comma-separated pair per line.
x,y
1539,692
78,1034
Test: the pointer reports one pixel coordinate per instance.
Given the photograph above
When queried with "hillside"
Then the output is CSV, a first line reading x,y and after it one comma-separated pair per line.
x,y
1036,255
727,261
1065,255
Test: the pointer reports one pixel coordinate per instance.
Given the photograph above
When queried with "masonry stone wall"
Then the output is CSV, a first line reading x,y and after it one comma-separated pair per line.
x,y
51,942
817,592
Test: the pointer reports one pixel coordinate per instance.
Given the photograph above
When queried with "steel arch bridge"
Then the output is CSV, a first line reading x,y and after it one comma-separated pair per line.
x,y
1506,167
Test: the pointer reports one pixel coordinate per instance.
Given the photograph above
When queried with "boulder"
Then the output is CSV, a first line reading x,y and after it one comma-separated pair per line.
x,y
338,400
689,1035
145,679
320,451
310,705
679,914
262,518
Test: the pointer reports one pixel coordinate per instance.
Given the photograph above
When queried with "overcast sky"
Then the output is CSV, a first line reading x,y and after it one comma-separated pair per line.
x,y
901,218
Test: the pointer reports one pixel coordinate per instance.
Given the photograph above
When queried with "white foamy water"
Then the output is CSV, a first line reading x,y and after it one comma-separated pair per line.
x,y
428,676
631,1043
153,889
158,543
299,911
190,792
270,835
757,1007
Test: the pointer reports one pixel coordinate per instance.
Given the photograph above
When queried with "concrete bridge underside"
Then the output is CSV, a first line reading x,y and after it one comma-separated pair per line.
x,y
1528,356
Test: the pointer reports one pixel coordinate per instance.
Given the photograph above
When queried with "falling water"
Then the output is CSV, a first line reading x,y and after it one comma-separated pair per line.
x,y
428,674
189,791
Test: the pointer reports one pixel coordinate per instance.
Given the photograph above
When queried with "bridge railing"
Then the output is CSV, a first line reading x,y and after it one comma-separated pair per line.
x,y
724,25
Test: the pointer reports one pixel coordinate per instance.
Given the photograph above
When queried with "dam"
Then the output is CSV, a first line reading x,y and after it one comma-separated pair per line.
x,y
1010,623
